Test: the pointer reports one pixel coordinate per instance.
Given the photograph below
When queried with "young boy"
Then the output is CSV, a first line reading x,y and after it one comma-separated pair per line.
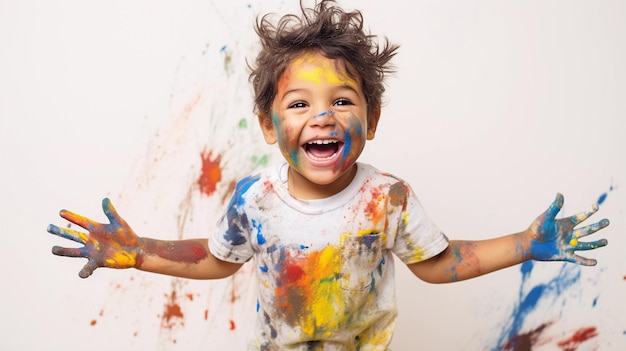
x,y
322,227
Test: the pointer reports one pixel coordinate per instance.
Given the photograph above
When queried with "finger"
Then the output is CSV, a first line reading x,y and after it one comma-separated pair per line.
x,y
88,269
590,229
583,246
582,216
77,219
66,233
111,212
555,206
69,251
583,261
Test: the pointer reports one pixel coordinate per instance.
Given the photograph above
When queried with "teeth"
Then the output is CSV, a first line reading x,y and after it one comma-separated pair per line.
x,y
322,142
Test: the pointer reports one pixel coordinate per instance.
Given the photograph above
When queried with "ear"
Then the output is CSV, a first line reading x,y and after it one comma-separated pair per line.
x,y
267,127
372,123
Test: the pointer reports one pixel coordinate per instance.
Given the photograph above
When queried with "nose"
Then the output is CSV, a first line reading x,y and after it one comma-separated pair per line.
x,y
324,118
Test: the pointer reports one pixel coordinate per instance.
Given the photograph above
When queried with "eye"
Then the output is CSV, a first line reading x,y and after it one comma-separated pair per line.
x,y
298,104
342,102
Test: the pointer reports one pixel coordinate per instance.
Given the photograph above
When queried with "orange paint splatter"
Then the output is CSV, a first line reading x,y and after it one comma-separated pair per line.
x,y
232,325
172,312
206,315
211,173
93,322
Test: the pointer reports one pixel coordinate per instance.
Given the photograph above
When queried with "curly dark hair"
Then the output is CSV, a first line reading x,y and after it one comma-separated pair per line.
x,y
336,34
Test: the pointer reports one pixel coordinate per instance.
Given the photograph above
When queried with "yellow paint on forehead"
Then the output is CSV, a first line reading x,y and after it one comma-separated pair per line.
x,y
317,69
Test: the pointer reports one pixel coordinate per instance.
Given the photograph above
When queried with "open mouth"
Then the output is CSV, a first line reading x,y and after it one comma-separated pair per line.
x,y
322,150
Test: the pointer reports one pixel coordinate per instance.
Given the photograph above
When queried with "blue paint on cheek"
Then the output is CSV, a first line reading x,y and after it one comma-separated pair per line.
x,y
291,153
347,145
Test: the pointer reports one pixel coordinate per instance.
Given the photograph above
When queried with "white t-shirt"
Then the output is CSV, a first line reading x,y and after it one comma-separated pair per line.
x,y
325,267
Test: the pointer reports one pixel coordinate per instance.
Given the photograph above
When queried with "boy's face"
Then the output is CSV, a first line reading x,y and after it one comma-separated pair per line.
x,y
319,119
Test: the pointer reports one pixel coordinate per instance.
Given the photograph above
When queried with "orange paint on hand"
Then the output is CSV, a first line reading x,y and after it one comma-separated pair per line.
x,y
211,173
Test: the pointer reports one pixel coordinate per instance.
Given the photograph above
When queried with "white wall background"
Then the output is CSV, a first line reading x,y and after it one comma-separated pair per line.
x,y
496,106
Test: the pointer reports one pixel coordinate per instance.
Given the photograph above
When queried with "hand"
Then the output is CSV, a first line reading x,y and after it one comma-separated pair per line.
x,y
112,245
557,239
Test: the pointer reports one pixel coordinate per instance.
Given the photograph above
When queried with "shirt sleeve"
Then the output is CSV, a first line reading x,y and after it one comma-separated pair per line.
x,y
417,237
231,241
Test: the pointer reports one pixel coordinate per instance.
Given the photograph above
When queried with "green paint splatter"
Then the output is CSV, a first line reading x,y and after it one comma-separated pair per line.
x,y
260,161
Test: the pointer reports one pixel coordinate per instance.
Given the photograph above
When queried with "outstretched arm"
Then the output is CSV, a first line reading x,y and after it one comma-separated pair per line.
x,y
115,245
547,239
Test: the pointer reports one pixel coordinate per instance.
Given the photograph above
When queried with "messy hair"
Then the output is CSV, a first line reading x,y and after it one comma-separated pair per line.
x,y
331,31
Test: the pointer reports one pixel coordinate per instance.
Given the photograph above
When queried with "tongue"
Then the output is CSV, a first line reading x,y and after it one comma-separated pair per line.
x,y
323,150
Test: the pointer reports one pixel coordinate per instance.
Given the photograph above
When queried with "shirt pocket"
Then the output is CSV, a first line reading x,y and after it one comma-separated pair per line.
x,y
361,256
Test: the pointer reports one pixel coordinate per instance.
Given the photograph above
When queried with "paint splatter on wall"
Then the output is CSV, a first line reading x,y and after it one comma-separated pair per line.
x,y
179,188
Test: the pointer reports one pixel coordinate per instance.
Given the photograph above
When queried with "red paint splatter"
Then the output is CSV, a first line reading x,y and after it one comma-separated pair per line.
x,y
211,173
206,314
172,312
190,296
525,342
95,320
580,336
232,324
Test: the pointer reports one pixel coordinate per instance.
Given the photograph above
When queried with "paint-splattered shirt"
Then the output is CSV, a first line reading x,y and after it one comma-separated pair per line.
x,y
325,267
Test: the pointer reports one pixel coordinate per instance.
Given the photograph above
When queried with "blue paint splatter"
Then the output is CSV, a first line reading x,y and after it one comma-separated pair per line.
x,y
264,268
604,195
512,335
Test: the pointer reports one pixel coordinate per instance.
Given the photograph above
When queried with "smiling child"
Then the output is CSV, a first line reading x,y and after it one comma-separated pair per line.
x,y
321,227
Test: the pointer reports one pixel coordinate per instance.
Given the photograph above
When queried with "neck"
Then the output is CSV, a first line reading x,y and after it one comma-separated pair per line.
x,y
303,189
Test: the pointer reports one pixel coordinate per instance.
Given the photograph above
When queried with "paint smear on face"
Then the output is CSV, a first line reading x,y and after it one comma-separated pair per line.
x,y
323,71
288,145
354,140
211,173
